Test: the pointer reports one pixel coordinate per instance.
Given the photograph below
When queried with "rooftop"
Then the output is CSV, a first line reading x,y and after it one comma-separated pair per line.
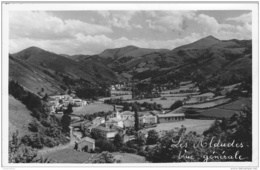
x,y
87,139
171,115
114,120
102,128
127,113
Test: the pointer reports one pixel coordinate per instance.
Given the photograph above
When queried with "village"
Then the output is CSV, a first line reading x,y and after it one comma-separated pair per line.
x,y
121,121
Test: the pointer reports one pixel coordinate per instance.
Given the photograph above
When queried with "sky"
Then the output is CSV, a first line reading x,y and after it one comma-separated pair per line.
x,y
91,32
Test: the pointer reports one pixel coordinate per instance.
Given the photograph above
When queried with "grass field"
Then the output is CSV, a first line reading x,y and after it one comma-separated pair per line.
x,y
208,104
19,117
196,125
92,108
217,113
125,97
69,156
237,105
128,158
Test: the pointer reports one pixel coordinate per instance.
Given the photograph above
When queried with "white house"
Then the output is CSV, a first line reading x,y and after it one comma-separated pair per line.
x,y
114,121
127,115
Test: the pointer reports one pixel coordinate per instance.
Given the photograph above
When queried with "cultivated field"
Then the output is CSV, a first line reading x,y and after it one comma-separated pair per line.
x,y
92,108
238,104
217,113
196,125
208,104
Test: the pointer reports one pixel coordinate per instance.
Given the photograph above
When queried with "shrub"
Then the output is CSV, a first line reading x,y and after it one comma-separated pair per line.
x,y
142,153
129,150
46,123
97,149
105,145
34,126
176,105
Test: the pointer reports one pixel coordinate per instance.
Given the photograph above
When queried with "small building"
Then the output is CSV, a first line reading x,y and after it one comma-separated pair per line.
x,y
98,120
86,144
170,117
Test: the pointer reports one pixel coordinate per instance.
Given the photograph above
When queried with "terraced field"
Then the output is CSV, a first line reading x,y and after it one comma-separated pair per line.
x,y
237,105
208,104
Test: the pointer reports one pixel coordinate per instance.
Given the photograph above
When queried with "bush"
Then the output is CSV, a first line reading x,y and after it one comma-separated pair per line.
x,y
142,153
129,150
34,126
46,123
97,150
49,142
105,145
176,105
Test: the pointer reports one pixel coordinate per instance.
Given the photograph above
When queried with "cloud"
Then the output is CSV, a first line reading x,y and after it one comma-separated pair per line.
x,y
157,44
119,19
42,25
164,21
137,26
245,18
210,26
72,36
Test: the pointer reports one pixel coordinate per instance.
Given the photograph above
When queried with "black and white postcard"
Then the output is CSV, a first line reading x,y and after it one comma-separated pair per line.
x,y
130,84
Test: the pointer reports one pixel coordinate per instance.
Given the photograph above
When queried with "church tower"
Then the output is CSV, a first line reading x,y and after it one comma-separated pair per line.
x,y
116,113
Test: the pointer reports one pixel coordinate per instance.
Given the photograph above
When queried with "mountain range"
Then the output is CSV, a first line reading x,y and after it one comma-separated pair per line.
x,y
217,60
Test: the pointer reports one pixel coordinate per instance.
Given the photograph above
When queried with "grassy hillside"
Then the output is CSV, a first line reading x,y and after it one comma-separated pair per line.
x,y
19,117
215,59
36,68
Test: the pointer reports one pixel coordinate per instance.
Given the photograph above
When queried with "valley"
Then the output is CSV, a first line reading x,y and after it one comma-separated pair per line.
x,y
122,101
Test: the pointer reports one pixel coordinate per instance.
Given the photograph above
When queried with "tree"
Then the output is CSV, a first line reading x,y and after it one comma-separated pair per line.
x,y
152,137
126,106
105,145
65,122
46,97
176,105
19,153
118,140
66,119
135,107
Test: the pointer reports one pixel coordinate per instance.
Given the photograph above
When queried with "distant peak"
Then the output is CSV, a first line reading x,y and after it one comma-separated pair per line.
x,y
33,48
131,46
211,37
